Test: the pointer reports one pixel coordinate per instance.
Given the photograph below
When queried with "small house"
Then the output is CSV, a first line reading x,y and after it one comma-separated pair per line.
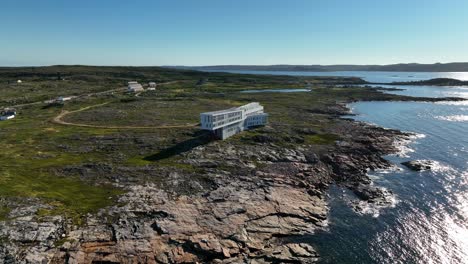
x,y
152,85
135,87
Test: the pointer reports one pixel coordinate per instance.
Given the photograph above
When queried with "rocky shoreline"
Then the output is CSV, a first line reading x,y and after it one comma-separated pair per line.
x,y
272,192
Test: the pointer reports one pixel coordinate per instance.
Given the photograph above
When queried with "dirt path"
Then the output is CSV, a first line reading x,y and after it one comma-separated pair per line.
x,y
121,89
73,96
59,120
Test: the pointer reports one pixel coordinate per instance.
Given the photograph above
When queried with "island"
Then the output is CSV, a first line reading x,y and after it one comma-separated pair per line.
x,y
435,82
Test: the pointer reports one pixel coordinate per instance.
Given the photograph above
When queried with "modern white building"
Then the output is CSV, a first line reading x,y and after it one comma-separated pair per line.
x,y
7,114
135,87
62,99
226,123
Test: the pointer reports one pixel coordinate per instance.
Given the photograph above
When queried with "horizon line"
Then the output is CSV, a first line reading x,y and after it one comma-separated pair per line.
x,y
218,65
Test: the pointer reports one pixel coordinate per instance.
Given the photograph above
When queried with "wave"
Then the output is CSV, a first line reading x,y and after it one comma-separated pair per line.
x,y
453,118
402,145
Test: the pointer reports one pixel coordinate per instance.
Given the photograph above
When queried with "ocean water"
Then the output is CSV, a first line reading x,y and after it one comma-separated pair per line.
x,y
428,223
376,77
429,91
428,220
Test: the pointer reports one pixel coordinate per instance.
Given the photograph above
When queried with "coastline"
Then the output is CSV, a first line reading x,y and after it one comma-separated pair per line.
x,y
217,201
281,194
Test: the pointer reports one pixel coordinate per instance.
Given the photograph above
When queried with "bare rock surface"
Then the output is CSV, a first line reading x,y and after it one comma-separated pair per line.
x,y
419,165
236,221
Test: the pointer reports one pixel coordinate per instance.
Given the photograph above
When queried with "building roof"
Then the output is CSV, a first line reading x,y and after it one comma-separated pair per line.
x,y
8,113
253,104
240,108
225,111
135,86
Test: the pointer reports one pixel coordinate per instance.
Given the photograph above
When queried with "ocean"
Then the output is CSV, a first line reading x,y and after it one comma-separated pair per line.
x,y
375,77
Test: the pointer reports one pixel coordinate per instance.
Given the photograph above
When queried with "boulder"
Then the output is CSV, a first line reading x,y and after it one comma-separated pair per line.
x,y
419,165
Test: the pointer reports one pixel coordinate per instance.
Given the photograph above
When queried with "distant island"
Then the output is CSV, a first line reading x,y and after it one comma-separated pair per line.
x,y
402,67
436,82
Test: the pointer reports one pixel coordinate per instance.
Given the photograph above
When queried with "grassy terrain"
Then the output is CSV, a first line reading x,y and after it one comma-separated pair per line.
x,y
72,168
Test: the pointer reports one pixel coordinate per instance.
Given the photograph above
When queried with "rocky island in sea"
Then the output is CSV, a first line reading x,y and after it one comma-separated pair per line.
x,y
111,176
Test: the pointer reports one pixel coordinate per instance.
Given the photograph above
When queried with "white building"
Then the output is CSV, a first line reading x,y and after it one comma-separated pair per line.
x,y
135,87
152,86
226,123
7,114
63,99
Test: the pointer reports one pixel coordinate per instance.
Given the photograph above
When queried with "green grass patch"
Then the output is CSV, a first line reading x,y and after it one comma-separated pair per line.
x,y
170,162
68,196
321,139
4,211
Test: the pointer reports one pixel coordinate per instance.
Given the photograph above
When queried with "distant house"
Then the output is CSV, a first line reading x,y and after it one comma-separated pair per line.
x,y
226,123
135,87
152,85
62,99
7,114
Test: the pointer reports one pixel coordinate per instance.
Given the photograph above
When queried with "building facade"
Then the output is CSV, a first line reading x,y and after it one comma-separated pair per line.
x,y
135,87
226,123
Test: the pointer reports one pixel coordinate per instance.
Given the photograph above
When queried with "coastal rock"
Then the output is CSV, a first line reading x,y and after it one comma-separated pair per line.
x,y
419,165
372,194
295,253
231,222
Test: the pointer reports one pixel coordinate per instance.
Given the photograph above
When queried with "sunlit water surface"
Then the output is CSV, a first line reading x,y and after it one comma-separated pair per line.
x,y
429,222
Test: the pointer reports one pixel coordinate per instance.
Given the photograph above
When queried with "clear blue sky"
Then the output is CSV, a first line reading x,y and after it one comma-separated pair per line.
x,y
208,32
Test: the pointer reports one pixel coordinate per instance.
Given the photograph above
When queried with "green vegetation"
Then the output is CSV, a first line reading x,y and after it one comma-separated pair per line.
x,y
321,139
4,211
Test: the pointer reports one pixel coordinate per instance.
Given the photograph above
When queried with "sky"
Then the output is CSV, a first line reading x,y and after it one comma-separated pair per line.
x,y
221,32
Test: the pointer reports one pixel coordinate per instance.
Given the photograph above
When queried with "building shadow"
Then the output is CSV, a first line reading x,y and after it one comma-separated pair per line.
x,y
201,137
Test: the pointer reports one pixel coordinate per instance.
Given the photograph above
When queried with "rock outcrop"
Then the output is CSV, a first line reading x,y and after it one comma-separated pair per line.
x,y
419,165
